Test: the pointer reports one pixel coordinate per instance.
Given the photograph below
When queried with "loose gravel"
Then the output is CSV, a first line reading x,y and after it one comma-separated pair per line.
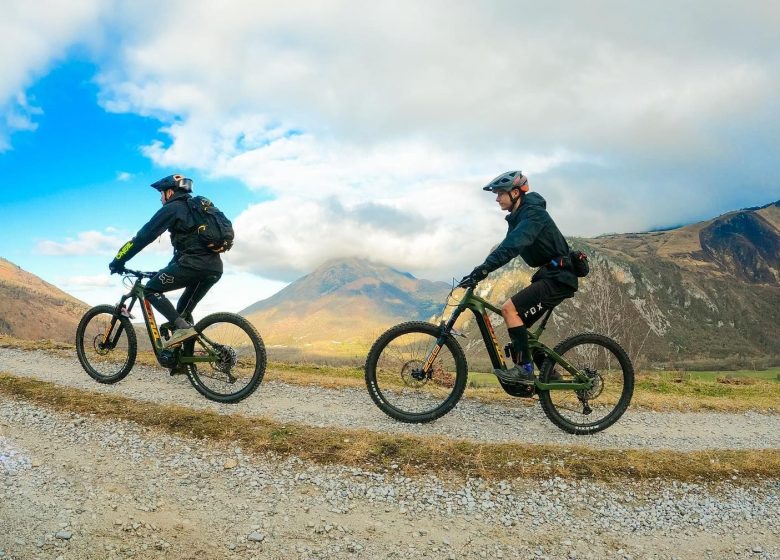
x,y
517,421
77,487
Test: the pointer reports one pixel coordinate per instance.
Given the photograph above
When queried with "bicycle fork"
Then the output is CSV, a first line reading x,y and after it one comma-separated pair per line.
x,y
446,330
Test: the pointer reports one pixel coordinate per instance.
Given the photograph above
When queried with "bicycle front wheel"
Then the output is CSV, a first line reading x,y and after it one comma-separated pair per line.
x,y
106,344
237,358
394,373
587,412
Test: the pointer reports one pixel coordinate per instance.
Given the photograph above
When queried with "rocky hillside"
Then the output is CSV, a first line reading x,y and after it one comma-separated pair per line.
x,y
705,294
341,307
33,309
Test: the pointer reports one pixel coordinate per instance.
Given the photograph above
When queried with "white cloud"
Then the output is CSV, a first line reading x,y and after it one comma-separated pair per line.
x,y
106,242
506,72
374,125
396,204
32,36
79,283
350,101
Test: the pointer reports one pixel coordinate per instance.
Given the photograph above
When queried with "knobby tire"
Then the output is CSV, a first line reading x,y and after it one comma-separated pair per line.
x,y
384,395
85,340
197,376
567,348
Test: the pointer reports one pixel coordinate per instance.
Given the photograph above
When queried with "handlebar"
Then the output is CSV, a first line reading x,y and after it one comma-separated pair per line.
x,y
138,273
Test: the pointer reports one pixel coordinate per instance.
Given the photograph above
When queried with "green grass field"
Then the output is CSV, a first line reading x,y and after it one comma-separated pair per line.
x,y
771,374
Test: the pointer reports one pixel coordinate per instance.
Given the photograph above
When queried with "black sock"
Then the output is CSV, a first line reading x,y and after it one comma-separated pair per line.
x,y
519,337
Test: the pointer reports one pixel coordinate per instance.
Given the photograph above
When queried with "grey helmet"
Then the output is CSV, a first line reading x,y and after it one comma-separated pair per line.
x,y
176,182
508,181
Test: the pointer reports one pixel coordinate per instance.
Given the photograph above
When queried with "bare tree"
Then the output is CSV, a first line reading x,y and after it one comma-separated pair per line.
x,y
603,305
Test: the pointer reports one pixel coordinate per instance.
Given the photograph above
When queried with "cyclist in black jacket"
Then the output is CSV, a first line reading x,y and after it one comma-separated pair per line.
x,y
532,235
194,267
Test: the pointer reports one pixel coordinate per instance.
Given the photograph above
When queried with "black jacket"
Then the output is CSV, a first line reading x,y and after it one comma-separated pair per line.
x,y
175,217
533,235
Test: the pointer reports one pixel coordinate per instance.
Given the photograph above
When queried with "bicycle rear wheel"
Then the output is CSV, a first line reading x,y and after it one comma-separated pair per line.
x,y
588,412
239,363
394,379
106,361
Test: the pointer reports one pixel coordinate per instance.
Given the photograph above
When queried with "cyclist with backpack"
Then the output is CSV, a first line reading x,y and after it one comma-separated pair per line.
x,y
533,235
195,266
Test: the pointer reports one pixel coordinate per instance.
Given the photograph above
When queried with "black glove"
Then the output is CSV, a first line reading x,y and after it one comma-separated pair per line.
x,y
473,278
116,267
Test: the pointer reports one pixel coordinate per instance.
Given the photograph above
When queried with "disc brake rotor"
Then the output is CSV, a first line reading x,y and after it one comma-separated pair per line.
x,y
412,374
97,344
586,395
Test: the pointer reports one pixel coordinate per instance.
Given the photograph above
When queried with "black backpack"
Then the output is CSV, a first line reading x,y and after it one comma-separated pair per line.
x,y
213,228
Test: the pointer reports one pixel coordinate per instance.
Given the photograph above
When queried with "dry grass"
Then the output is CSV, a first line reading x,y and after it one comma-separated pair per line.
x,y
686,393
734,380
409,454
44,344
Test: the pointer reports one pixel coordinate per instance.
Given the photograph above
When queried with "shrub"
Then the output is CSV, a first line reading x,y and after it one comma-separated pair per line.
x,y
729,379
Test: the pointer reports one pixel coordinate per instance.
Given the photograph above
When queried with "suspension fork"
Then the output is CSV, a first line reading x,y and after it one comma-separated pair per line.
x,y
110,341
445,330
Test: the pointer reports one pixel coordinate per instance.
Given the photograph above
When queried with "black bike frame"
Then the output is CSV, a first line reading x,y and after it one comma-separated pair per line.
x,y
480,307
137,293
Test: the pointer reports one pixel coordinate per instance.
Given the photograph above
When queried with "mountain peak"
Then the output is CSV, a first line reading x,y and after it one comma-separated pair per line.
x,y
344,302
351,275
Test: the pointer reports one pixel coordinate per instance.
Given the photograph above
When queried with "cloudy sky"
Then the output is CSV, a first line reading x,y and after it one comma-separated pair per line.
x,y
346,128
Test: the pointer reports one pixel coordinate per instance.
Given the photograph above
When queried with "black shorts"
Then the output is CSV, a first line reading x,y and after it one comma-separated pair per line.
x,y
540,296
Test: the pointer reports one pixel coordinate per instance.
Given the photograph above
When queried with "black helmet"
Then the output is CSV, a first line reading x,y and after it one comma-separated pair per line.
x,y
508,181
176,182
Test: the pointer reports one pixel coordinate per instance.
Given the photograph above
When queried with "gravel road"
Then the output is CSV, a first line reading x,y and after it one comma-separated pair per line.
x,y
515,421
74,487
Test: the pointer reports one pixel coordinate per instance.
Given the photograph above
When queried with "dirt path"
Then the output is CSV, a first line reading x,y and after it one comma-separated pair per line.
x,y
515,421
78,488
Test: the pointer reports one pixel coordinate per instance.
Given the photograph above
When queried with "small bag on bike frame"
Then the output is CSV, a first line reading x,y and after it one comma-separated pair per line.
x,y
578,261
212,227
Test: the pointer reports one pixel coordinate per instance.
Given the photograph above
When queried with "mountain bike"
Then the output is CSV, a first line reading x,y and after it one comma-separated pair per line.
x,y
225,362
416,372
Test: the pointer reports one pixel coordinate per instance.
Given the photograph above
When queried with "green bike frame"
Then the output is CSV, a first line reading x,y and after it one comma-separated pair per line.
x,y
480,307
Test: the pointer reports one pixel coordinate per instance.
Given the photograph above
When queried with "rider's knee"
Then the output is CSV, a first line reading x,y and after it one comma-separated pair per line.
x,y
508,308
153,294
